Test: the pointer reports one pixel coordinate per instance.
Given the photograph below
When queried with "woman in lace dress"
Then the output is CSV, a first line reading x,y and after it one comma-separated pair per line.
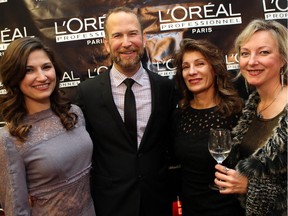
x,y
45,151
208,101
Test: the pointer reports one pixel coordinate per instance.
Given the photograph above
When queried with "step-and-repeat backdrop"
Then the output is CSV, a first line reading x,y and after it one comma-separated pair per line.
x,y
74,29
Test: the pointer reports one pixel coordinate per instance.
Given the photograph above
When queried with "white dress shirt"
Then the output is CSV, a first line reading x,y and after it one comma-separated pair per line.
x,y
142,91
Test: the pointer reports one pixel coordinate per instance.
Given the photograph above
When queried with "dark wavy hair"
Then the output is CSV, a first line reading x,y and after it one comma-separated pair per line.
x,y
230,101
12,71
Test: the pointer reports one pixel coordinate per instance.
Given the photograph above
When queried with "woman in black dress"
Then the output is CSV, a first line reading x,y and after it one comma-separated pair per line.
x,y
209,100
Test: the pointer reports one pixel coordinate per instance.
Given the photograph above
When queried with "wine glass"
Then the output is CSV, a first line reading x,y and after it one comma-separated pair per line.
x,y
219,146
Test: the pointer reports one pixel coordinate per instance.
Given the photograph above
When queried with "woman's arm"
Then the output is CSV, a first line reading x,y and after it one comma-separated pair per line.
x,y
14,196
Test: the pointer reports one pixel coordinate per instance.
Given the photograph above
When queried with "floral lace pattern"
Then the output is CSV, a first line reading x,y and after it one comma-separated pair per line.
x,y
56,203
52,168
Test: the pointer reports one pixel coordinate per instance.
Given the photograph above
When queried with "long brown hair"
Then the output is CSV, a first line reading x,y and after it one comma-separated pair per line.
x,y
12,71
230,101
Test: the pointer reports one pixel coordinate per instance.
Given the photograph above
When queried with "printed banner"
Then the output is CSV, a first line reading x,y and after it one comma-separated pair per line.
x,y
74,29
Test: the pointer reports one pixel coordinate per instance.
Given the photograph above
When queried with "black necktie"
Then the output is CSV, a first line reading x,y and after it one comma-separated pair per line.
x,y
130,110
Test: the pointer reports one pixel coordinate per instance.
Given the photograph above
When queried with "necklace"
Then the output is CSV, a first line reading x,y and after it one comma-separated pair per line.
x,y
259,115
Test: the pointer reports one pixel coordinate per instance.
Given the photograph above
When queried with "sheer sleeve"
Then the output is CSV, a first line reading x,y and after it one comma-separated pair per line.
x,y
13,189
266,170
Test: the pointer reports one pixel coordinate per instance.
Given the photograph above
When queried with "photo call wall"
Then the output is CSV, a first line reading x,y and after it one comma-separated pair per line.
x,y
74,29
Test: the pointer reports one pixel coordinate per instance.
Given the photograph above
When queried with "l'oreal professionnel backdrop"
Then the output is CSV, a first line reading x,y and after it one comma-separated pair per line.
x,y
74,29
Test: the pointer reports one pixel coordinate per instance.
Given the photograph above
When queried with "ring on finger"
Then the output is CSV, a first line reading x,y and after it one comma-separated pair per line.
x,y
226,169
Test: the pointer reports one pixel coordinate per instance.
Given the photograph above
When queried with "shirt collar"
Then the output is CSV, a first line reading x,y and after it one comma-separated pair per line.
x,y
119,77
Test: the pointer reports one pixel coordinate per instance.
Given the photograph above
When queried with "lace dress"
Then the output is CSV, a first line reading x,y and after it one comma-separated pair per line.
x,y
49,173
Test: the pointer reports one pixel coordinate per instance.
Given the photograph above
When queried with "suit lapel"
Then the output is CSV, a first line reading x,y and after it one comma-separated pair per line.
x,y
108,98
109,102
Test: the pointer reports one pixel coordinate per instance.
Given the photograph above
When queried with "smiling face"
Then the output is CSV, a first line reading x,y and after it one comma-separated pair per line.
x,y
124,41
198,73
260,60
38,82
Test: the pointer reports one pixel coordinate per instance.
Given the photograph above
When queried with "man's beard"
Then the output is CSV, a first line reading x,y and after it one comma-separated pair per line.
x,y
127,63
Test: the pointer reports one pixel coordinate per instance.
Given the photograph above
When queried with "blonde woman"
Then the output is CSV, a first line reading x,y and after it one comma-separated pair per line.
x,y
261,134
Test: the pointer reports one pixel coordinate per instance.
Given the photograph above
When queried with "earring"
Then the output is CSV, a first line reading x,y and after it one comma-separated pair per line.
x,y
282,77
247,86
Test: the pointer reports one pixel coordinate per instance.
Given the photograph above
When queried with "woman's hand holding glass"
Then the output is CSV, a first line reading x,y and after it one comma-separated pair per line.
x,y
230,181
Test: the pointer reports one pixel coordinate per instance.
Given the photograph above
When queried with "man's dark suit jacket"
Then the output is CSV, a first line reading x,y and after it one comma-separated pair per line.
x,y
127,181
